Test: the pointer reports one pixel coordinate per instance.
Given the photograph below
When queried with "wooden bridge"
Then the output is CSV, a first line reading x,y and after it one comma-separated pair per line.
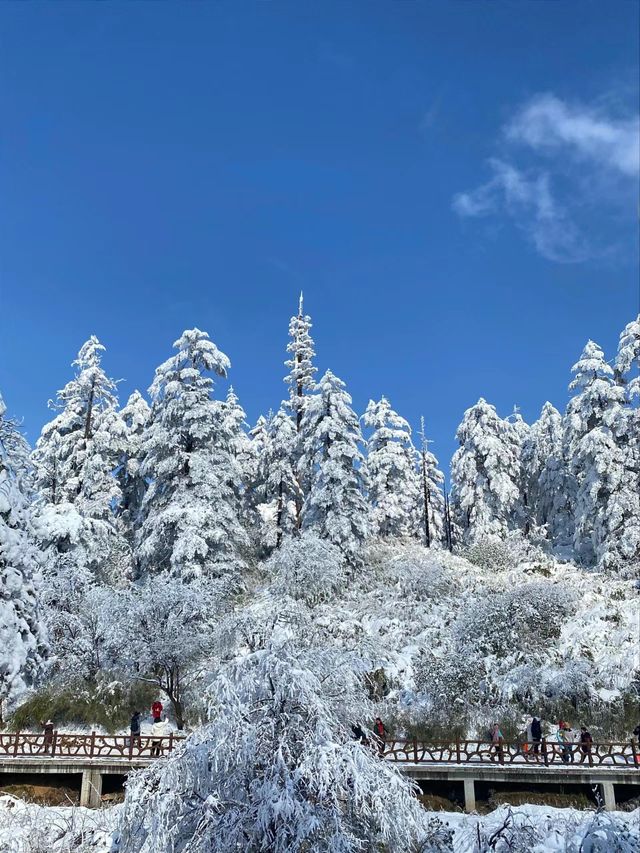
x,y
94,757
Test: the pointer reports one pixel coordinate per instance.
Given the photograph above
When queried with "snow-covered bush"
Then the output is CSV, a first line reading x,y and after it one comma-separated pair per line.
x,y
275,770
307,568
520,619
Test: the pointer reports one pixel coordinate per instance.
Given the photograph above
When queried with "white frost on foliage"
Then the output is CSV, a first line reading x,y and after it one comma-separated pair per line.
x,y
22,632
276,769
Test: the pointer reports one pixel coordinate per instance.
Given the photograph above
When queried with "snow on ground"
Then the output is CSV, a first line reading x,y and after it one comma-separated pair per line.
x,y
29,828
26,828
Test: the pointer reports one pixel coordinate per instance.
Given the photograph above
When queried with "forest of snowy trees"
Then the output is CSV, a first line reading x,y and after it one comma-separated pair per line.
x,y
312,562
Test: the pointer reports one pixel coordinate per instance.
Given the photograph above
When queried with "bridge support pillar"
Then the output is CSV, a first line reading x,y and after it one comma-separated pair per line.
x,y
91,788
609,796
469,795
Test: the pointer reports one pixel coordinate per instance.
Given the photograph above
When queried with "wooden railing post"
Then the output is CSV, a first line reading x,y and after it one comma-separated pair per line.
x,y
92,744
457,750
15,743
544,752
634,753
170,741
53,743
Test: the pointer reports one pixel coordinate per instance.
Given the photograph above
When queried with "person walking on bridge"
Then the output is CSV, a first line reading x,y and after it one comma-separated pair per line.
x,y
381,733
156,710
536,737
47,729
135,729
586,743
159,730
497,741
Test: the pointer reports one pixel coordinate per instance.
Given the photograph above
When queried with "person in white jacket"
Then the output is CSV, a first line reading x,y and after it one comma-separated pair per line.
x,y
159,730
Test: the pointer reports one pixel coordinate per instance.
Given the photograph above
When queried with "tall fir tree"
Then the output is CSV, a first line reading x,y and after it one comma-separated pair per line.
x,y
390,472
300,380
23,639
280,479
594,458
431,502
75,459
548,477
191,515
485,473
621,543
135,416
520,437
335,506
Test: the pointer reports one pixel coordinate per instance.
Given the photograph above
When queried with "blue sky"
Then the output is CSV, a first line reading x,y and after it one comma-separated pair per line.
x,y
452,184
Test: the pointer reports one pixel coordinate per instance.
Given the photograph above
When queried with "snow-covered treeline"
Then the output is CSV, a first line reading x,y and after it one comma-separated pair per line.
x,y
178,488
280,583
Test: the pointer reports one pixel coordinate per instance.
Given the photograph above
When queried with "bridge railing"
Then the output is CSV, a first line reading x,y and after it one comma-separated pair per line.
x,y
512,752
93,745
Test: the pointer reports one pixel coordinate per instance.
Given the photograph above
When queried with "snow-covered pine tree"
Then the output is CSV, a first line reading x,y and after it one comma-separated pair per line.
x,y
548,477
390,472
520,436
485,473
191,513
595,462
75,459
23,642
620,546
300,378
335,506
431,503
135,416
301,382
280,477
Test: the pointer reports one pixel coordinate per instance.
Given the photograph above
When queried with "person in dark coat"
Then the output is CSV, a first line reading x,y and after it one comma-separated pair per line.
x,y
536,734
47,729
586,743
359,734
135,729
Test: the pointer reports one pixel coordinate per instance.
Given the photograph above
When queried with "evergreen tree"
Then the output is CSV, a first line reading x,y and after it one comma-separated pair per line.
x,y
75,460
548,477
22,634
191,512
620,539
280,479
135,416
519,434
485,473
596,464
335,506
300,380
431,501
390,472
301,369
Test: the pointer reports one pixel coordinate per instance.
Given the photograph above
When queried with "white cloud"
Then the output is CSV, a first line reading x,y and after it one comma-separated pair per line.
x,y
592,155
547,124
529,201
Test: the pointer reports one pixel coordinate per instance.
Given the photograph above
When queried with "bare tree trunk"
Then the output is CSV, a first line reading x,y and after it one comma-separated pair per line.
x,y
425,491
279,514
88,423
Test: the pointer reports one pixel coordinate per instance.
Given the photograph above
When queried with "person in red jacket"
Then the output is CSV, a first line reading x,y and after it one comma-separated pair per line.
x,y
156,710
381,733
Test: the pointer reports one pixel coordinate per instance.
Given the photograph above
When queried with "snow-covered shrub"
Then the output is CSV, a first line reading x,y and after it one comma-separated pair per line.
x,y
489,552
276,769
453,685
307,568
519,619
